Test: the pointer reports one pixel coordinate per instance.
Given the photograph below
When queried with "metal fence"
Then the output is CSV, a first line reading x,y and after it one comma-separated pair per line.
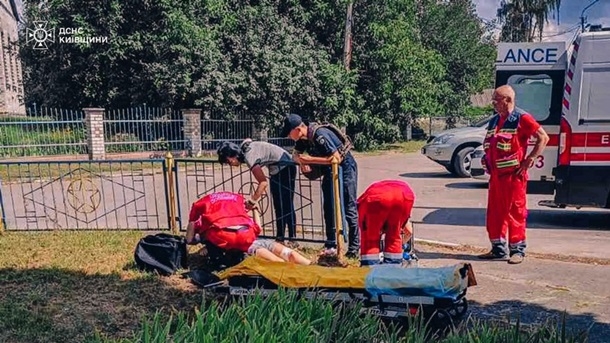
x,y
47,131
48,195
214,131
434,125
43,132
136,195
143,129
196,178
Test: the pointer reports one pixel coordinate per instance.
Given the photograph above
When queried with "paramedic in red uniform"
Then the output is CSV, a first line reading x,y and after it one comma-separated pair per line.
x,y
507,162
385,207
222,220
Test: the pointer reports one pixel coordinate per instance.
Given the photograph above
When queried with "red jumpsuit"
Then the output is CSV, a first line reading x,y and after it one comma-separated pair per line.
x,y
385,206
505,148
221,219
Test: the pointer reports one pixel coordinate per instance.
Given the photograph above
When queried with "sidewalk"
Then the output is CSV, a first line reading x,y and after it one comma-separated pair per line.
x,y
535,290
450,209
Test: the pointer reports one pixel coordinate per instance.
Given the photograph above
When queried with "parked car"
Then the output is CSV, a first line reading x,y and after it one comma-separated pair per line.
x,y
453,148
476,169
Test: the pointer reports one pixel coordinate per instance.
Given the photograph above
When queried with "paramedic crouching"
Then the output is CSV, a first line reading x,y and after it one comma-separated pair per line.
x,y
323,144
507,163
222,221
385,208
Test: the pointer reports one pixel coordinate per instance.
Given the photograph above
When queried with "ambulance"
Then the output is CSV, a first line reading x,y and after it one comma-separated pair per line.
x,y
567,90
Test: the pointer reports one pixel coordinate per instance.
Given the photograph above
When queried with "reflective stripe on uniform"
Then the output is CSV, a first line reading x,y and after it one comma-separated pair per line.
x,y
504,146
513,131
508,163
392,256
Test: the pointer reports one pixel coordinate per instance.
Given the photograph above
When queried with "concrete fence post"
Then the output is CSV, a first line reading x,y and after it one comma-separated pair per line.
x,y
192,130
94,124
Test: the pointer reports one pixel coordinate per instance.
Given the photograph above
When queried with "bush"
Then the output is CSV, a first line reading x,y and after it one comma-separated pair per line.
x,y
283,317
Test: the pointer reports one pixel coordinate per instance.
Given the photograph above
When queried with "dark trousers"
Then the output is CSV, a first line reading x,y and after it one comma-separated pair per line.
x,y
349,169
282,191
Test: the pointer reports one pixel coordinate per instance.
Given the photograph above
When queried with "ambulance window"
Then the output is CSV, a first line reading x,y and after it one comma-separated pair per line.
x,y
596,92
533,94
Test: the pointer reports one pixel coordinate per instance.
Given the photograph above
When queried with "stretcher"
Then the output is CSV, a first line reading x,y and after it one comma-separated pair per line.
x,y
389,291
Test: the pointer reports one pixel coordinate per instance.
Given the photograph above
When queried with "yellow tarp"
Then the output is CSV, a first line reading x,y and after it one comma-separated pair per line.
x,y
298,276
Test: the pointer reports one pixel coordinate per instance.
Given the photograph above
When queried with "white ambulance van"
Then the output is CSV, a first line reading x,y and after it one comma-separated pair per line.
x,y
567,90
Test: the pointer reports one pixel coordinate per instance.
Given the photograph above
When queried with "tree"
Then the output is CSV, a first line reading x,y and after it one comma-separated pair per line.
x,y
524,20
454,30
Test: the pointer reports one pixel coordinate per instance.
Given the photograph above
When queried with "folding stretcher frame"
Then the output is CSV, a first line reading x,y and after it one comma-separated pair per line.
x,y
440,309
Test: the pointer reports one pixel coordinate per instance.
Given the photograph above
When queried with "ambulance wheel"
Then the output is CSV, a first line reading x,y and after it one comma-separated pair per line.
x,y
462,162
442,320
459,309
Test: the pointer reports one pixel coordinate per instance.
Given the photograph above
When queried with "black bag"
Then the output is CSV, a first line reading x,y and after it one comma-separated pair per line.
x,y
163,253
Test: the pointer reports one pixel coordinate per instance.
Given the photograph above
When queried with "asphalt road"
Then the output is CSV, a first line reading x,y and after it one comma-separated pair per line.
x,y
452,210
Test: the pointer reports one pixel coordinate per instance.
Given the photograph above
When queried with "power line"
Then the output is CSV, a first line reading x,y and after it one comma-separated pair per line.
x,y
562,33
582,15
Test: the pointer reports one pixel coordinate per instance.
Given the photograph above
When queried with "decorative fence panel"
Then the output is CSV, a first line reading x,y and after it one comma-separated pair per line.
x,y
146,194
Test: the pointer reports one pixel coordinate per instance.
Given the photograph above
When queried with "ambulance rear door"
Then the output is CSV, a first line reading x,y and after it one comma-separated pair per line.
x,y
536,71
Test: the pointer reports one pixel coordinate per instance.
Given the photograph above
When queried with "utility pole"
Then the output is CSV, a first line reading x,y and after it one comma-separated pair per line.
x,y
582,15
347,46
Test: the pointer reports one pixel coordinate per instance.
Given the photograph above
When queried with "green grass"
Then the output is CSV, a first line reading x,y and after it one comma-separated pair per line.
x,y
400,147
82,287
65,141
66,286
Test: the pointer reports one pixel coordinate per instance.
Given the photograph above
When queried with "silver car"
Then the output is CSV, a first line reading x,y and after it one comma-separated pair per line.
x,y
453,148
476,169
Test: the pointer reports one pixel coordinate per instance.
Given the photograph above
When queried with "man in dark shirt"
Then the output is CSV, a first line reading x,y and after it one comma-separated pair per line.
x,y
322,146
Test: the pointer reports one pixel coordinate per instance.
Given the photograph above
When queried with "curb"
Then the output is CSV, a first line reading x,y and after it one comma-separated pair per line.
x,y
432,242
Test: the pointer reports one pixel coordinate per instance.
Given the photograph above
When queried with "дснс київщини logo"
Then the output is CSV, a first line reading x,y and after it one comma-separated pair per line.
x,y
40,35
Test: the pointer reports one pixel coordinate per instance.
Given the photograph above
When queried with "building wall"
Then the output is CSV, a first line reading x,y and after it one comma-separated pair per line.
x,y
11,81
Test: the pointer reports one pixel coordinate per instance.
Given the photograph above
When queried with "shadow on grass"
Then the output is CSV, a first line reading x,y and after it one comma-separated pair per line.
x,y
59,305
56,305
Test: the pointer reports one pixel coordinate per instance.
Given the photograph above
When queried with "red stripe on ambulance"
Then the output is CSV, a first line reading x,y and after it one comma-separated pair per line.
x,y
590,157
591,139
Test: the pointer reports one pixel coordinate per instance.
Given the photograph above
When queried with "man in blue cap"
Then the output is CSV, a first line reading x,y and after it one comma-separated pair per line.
x,y
323,143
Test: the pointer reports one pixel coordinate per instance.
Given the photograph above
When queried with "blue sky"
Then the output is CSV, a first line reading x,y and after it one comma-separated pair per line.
x,y
569,16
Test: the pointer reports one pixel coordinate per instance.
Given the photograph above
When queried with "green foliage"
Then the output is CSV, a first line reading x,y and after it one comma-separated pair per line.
x,y
524,20
284,317
453,29
478,112
411,59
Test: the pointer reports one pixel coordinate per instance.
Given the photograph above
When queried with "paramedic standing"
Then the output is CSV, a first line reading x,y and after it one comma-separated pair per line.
x,y
323,144
282,176
507,162
385,207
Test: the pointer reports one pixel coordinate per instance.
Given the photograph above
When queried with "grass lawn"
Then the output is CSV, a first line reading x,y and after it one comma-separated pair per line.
x,y
82,286
65,286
